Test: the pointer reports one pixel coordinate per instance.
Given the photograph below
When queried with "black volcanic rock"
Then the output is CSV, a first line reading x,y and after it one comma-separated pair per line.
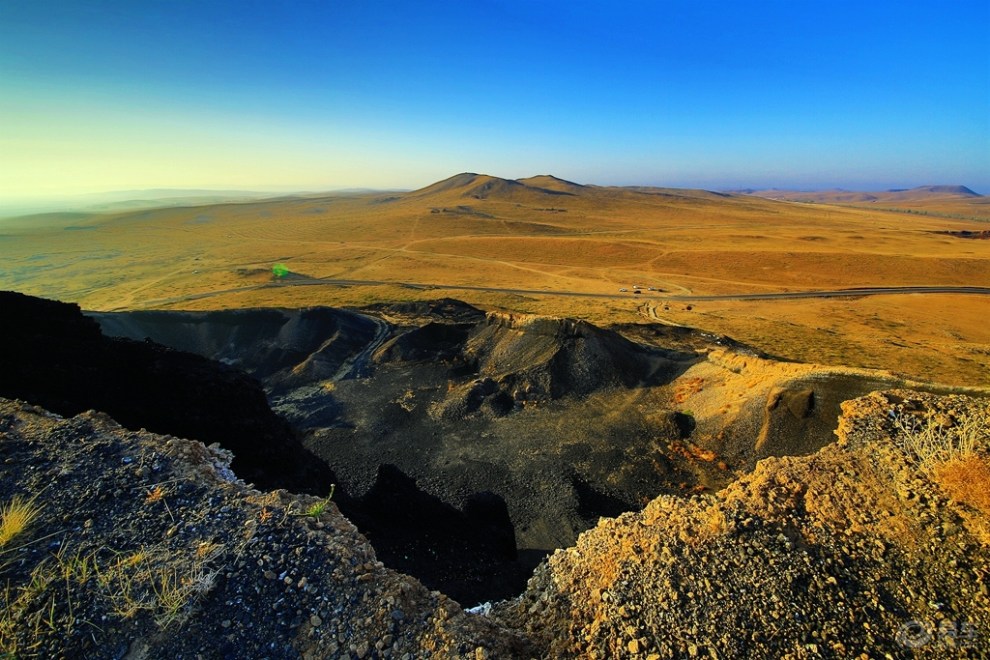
x,y
282,348
468,554
540,358
90,478
51,355
433,341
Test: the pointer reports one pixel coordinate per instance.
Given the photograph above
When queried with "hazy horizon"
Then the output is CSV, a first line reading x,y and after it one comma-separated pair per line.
x,y
222,96
259,192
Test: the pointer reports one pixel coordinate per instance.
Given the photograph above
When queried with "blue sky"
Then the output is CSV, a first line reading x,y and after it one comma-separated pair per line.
x,y
311,95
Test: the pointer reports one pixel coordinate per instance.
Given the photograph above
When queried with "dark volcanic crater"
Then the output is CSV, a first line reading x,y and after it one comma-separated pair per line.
x,y
532,428
464,445
556,417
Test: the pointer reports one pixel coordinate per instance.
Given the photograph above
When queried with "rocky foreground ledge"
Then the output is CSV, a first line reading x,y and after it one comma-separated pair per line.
x,y
147,546
875,545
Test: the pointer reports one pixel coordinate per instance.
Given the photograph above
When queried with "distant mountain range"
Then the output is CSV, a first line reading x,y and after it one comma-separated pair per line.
x,y
471,185
840,196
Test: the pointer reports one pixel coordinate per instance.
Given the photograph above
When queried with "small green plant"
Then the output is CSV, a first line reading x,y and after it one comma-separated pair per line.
x,y
78,567
316,509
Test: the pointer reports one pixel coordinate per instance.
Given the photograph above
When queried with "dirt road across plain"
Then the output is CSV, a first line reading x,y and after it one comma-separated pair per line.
x,y
646,295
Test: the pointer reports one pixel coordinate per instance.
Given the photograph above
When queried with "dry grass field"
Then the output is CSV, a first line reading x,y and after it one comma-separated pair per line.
x,y
940,201
525,245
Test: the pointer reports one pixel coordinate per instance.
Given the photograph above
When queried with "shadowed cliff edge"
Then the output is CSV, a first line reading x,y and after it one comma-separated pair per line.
x,y
53,356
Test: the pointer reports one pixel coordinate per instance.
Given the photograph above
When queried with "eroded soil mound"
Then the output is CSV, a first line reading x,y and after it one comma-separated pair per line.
x,y
539,358
279,347
877,544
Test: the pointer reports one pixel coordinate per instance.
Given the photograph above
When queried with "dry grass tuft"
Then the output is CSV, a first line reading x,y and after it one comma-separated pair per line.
x,y
934,440
155,494
966,479
159,581
952,451
208,550
15,517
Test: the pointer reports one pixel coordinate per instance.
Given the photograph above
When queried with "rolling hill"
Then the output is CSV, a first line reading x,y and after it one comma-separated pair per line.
x,y
545,245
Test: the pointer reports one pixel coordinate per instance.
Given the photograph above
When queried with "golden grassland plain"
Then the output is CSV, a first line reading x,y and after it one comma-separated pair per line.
x,y
940,201
524,244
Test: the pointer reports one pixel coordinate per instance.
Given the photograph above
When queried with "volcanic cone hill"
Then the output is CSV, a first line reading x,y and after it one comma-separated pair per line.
x,y
846,196
550,182
482,186
937,200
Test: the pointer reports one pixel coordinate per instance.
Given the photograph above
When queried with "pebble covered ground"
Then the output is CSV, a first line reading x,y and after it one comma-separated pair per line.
x,y
147,546
855,551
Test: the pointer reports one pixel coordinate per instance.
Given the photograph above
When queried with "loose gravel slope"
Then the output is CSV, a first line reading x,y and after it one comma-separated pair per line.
x,y
858,548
